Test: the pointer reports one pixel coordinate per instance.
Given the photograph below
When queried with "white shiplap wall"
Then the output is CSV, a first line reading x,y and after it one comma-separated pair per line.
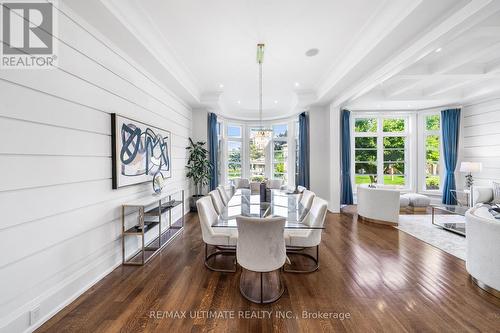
x,y
481,139
60,220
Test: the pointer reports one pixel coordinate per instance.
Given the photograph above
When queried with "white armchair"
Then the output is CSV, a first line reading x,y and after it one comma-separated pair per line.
x,y
223,239
261,248
378,205
483,249
297,240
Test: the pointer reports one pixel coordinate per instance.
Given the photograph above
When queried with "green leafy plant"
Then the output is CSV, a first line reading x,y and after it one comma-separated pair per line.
x,y
199,167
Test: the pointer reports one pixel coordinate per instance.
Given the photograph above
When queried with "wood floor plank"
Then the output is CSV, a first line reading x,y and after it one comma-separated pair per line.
x,y
386,280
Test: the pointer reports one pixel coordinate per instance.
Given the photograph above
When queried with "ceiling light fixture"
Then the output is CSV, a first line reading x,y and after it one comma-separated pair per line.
x,y
297,84
438,50
275,102
312,52
263,135
221,86
239,102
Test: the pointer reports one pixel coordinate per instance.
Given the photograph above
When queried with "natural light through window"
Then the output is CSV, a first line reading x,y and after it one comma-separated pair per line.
x,y
380,150
432,152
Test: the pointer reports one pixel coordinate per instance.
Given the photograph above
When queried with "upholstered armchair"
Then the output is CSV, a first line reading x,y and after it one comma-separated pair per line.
x,y
223,239
483,249
261,248
298,240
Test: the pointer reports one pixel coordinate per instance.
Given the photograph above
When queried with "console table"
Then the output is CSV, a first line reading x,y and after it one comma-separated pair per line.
x,y
150,220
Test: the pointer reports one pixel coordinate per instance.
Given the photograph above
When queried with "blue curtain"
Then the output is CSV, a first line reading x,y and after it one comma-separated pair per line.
x,y
212,150
303,174
346,194
450,123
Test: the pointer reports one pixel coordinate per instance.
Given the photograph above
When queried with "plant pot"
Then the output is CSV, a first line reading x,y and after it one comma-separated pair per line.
x,y
192,202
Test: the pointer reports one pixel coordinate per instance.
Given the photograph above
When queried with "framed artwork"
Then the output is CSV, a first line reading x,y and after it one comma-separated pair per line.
x,y
140,152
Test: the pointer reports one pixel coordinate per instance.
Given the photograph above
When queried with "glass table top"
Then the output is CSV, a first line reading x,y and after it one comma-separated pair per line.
x,y
452,209
281,203
453,218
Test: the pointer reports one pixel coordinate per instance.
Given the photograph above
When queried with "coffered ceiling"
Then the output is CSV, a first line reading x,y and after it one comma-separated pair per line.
x,y
386,54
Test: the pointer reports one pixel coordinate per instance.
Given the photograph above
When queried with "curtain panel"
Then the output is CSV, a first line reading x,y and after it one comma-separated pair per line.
x,y
212,150
450,123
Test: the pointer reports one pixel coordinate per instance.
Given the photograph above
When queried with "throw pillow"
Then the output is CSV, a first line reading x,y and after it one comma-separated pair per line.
x,y
496,193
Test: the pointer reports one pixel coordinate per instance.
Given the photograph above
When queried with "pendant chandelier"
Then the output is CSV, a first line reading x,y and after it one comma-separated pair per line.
x,y
263,135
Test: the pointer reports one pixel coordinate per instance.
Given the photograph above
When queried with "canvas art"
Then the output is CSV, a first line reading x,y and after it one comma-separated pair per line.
x,y
140,152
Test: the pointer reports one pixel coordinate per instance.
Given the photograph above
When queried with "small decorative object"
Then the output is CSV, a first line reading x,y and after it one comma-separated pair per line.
x,y
469,168
158,183
199,168
262,191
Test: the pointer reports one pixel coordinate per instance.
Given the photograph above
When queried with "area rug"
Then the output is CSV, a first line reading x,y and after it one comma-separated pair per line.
x,y
421,227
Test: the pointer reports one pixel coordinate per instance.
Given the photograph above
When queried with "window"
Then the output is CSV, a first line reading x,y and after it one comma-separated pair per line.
x,y
432,140
234,152
280,152
257,157
380,150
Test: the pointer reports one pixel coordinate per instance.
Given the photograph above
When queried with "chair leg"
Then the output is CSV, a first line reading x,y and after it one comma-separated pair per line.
x,y
219,251
277,295
307,255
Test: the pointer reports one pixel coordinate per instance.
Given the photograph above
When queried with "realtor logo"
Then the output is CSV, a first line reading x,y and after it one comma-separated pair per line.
x,y
27,34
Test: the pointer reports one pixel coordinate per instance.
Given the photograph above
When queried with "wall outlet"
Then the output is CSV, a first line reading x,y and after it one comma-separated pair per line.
x,y
34,314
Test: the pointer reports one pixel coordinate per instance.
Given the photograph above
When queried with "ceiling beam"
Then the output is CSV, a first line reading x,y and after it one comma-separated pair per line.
x,y
446,87
449,63
462,20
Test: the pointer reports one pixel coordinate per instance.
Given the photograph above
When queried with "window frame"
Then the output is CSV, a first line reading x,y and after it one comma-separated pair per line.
x,y
379,134
424,133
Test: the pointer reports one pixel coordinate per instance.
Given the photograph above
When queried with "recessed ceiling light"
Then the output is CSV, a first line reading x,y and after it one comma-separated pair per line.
x,y
297,84
409,105
239,102
312,52
275,102
438,50
221,86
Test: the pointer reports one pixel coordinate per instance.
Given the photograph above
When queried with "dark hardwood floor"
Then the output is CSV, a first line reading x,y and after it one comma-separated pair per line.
x,y
383,279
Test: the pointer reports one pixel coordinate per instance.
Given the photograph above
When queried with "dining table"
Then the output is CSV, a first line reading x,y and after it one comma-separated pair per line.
x,y
278,203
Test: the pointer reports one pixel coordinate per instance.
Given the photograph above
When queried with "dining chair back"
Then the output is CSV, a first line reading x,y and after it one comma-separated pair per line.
x,y
223,195
307,198
261,243
217,201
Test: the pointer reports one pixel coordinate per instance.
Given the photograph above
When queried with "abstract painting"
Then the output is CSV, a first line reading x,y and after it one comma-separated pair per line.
x,y
140,152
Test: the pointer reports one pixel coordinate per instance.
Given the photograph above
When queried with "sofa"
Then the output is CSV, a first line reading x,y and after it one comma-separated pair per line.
x,y
379,204
483,248
481,194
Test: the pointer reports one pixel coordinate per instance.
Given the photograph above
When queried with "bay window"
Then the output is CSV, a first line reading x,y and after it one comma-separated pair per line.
x,y
234,151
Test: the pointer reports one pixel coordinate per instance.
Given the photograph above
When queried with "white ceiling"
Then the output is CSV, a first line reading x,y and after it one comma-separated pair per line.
x,y
372,54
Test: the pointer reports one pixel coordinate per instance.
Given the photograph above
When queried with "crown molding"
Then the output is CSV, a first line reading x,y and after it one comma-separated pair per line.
x,y
132,15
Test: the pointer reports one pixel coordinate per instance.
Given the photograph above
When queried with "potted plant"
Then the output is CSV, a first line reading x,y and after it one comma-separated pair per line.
x,y
199,168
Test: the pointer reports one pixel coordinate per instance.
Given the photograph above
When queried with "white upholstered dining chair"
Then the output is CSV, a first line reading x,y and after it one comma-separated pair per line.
x,y
298,240
223,194
241,183
301,189
307,198
217,201
261,248
223,239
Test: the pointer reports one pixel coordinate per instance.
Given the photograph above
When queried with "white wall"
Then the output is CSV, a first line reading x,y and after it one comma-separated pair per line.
x,y
60,226
319,121
481,140
200,125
